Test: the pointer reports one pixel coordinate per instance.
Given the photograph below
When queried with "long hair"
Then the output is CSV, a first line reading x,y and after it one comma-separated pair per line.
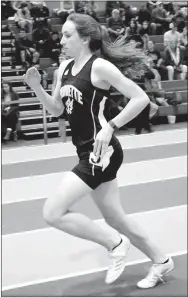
x,y
124,55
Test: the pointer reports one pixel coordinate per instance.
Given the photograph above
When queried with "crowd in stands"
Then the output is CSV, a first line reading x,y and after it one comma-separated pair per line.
x,y
36,39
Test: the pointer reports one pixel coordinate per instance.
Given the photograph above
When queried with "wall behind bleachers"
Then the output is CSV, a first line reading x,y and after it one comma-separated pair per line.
x,y
53,4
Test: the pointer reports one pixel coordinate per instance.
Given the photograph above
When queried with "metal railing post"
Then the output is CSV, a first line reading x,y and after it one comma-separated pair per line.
x,y
45,125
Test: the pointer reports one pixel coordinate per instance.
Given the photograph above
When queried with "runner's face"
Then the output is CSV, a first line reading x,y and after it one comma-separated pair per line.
x,y
71,41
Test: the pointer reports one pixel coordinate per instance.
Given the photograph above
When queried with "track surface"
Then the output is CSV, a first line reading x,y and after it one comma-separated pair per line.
x,y
40,261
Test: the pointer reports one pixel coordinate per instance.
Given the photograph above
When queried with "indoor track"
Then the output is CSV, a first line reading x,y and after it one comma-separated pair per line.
x,y
40,261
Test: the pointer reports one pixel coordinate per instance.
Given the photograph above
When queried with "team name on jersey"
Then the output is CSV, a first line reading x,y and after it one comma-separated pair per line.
x,y
71,92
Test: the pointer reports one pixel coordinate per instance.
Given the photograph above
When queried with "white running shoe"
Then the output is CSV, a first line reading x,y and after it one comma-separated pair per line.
x,y
156,273
118,257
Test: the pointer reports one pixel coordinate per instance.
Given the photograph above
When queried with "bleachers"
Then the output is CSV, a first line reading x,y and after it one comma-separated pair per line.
x,y
31,117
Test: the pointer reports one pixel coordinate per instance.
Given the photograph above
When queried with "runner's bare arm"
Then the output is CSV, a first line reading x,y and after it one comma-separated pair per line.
x,y
110,74
53,103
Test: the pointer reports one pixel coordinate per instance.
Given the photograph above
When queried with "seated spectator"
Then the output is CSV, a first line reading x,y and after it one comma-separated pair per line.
x,y
128,15
9,113
183,37
40,13
184,44
115,25
26,50
144,15
111,5
41,37
16,4
145,31
157,63
80,6
161,18
179,18
23,18
54,48
143,119
172,35
132,29
174,60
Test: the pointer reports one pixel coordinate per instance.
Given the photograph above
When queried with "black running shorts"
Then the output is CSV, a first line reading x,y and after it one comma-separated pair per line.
x,y
91,172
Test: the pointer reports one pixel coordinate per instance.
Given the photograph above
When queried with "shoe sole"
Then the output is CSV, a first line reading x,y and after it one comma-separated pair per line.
x,y
168,271
123,267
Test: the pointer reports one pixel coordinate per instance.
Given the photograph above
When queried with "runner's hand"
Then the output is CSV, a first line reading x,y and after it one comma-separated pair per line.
x,y
102,141
32,78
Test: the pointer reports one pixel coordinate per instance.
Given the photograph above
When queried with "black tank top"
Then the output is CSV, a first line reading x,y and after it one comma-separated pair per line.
x,y
86,106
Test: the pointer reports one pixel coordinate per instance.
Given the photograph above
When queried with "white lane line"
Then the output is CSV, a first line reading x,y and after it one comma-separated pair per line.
x,y
39,186
99,221
59,150
72,275
29,257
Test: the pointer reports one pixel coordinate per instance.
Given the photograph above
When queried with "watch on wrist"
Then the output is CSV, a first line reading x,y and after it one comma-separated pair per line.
x,y
113,125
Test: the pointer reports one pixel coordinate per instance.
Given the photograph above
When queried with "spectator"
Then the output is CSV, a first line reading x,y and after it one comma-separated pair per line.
x,y
9,112
144,15
174,60
132,29
172,35
157,62
161,18
23,18
54,48
26,50
128,15
183,37
90,9
115,25
179,18
142,121
184,44
41,37
144,32
80,6
40,13
111,5
16,4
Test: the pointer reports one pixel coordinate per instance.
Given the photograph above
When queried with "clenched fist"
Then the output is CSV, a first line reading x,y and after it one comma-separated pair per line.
x,y
32,78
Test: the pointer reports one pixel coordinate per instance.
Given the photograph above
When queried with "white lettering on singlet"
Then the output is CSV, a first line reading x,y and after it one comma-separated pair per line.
x,y
71,92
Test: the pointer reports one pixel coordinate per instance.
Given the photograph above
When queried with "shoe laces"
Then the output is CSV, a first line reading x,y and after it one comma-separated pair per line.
x,y
153,274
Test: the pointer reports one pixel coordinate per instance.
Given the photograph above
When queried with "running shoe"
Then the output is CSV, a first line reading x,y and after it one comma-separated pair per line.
x,y
118,258
156,273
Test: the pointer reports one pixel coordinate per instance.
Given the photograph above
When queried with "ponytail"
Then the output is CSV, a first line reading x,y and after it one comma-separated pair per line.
x,y
130,60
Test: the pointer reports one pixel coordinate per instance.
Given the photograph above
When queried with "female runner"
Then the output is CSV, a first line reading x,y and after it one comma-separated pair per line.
x,y
83,89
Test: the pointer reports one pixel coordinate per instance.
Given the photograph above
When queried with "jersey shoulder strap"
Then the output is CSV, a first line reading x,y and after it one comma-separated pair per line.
x,y
67,68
